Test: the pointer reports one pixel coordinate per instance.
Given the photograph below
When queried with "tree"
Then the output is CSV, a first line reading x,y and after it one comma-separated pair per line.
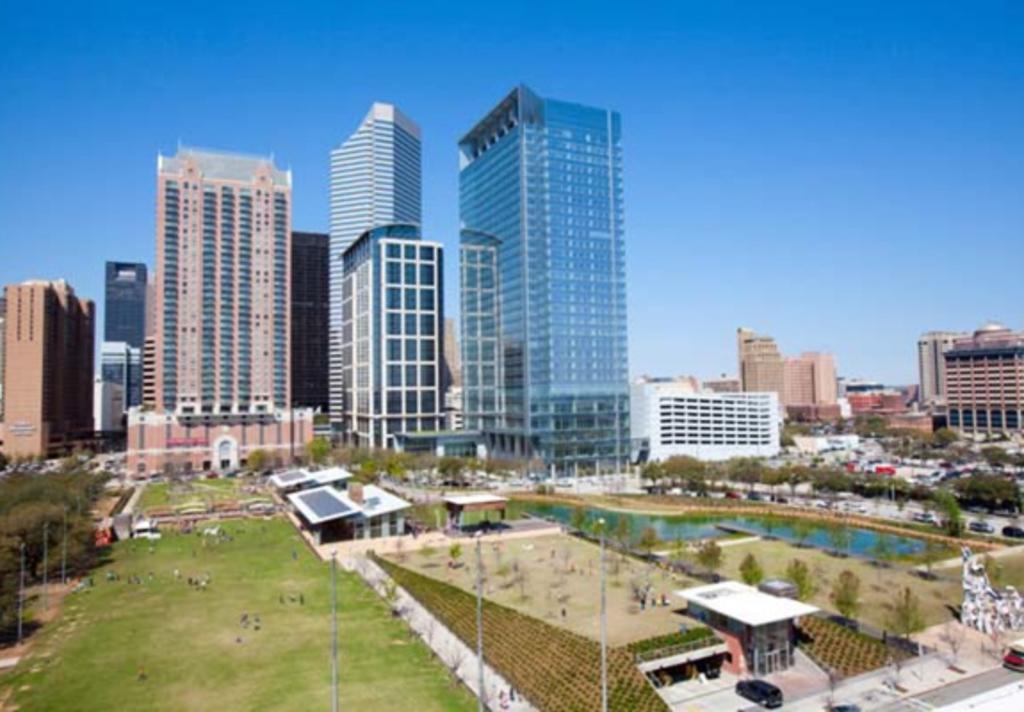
x,y
396,464
904,617
452,469
578,518
648,539
751,571
623,531
846,594
944,437
933,551
882,549
800,576
746,470
318,450
995,456
946,503
839,536
709,555
454,553
802,530
257,460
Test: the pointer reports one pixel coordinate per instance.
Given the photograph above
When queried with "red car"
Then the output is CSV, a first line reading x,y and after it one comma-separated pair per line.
x,y
733,495
1014,658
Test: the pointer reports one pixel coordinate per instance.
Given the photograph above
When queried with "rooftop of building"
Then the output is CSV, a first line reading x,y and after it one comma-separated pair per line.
x,y
223,165
325,504
744,603
383,111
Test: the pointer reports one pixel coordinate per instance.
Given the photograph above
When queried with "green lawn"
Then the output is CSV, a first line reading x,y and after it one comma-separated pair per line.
x,y
186,640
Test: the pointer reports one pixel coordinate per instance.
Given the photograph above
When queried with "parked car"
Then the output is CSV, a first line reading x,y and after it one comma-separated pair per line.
x,y
1014,657
981,526
761,692
1013,531
754,496
732,495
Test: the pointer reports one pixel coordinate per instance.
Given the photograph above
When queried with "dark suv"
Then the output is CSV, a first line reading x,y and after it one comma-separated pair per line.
x,y
761,692
1013,531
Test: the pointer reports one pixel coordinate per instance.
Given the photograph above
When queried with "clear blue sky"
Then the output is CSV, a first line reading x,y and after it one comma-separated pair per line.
x,y
843,176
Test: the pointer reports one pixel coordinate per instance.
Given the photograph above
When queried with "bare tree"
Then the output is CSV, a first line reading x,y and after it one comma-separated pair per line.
x,y
952,637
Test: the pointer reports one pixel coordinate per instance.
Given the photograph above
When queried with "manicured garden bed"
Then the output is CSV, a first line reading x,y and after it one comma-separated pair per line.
x,y
553,668
841,649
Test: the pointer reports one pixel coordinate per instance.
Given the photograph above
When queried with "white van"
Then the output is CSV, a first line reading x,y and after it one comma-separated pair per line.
x,y
145,529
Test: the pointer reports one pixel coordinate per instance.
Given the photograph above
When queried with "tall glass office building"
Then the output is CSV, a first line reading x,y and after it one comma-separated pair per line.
x,y
125,303
375,181
545,370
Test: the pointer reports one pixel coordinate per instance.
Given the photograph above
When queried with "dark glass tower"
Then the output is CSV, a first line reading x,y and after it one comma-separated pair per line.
x,y
125,303
310,312
545,370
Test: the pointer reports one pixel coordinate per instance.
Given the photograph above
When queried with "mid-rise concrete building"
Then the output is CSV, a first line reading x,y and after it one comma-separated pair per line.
x,y
48,366
723,384
375,181
223,332
761,369
670,417
985,381
931,365
310,320
809,386
392,330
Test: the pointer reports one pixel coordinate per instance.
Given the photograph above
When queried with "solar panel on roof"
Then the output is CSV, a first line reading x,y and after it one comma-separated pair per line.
x,y
291,476
324,505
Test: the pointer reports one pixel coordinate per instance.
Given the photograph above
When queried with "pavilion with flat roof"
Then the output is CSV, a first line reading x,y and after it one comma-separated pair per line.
x,y
358,512
458,505
759,628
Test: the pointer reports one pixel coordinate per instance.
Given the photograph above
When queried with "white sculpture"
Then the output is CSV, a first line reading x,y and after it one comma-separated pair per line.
x,y
984,608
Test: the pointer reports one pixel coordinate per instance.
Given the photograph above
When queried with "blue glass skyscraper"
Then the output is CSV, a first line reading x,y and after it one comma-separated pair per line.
x,y
545,370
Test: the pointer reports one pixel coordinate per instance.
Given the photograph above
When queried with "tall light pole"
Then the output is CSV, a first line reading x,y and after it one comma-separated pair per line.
x,y
334,632
479,624
64,551
21,592
46,564
604,628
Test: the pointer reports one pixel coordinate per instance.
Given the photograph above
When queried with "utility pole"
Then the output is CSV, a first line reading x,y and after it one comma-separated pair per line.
x,y
46,564
64,551
604,628
334,632
479,624
21,592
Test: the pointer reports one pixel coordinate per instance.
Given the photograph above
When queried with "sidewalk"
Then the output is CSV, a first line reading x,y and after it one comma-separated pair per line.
x,y
452,652
875,690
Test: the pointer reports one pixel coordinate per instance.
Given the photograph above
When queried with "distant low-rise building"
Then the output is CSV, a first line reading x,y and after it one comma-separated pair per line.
x,y
671,417
723,384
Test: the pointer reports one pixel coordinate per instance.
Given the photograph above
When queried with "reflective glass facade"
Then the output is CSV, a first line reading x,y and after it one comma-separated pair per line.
x,y
545,368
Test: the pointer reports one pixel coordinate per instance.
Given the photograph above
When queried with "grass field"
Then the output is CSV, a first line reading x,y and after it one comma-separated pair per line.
x,y
197,492
562,573
196,654
878,585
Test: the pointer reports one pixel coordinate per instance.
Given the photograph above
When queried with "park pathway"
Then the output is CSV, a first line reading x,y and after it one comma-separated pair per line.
x,y
455,654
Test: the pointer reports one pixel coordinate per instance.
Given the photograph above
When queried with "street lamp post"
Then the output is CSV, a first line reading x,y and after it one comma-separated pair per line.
x,y
64,551
479,624
604,628
21,592
334,632
46,564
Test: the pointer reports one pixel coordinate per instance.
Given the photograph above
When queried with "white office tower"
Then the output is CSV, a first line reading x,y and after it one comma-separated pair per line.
x,y
670,417
375,181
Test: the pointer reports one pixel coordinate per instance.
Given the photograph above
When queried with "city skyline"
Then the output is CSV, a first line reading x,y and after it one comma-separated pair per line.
x,y
854,118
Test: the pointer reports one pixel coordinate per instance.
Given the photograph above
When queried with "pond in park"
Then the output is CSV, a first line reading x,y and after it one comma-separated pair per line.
x,y
863,542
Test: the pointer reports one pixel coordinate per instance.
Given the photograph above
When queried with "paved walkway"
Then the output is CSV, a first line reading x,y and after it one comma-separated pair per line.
x,y
455,654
